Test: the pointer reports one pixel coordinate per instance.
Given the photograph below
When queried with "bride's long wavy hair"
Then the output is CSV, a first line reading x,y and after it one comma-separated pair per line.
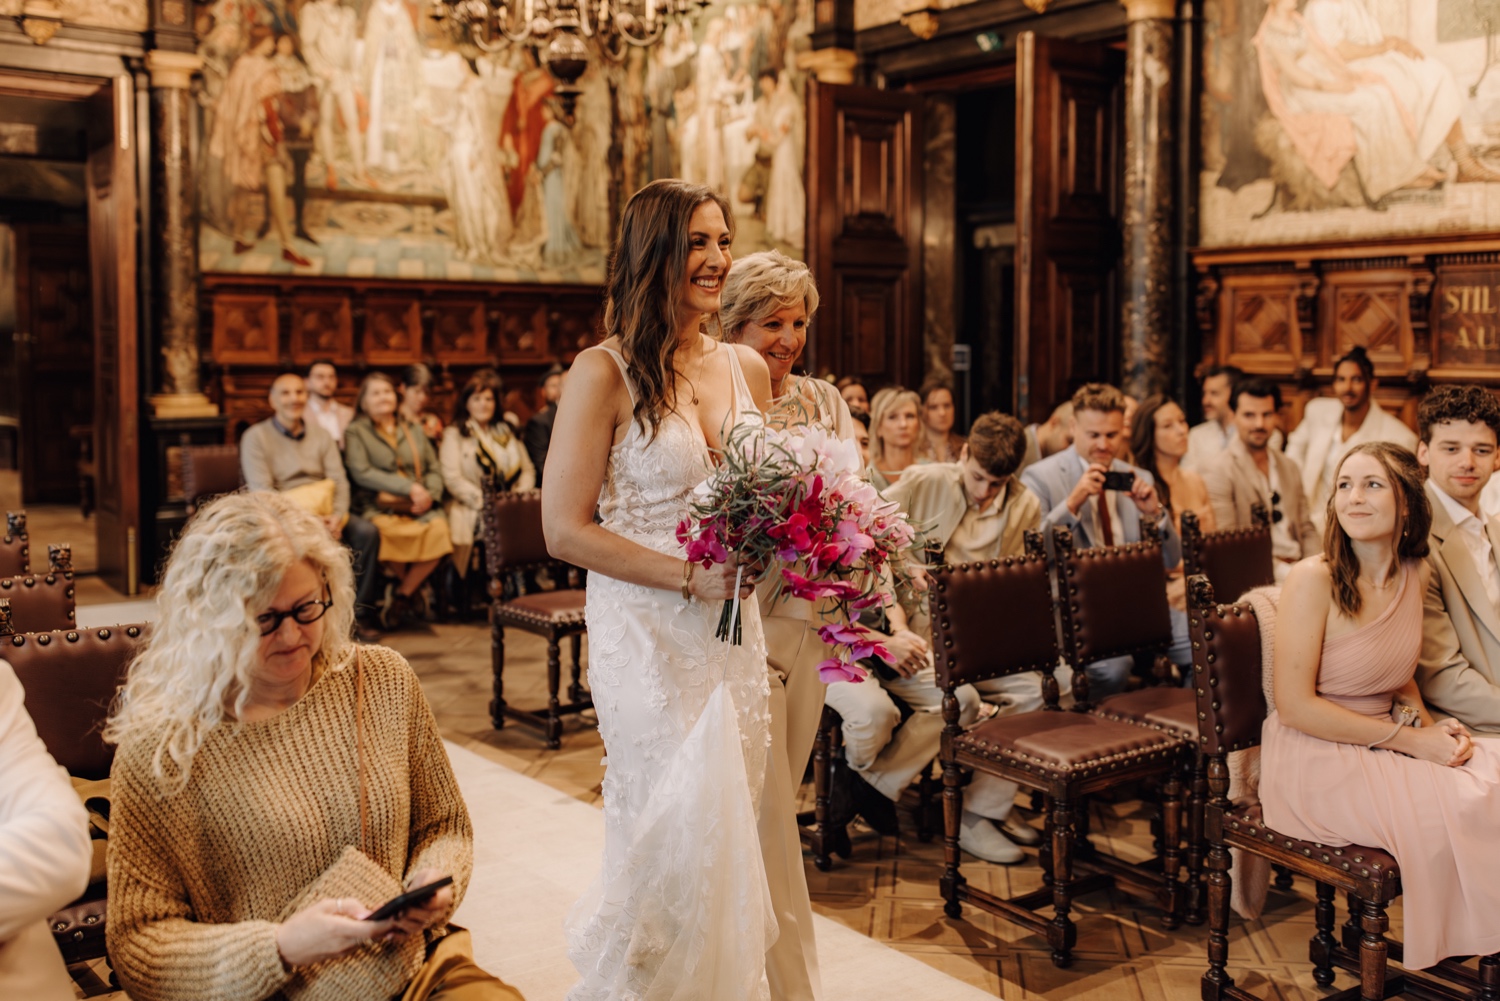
x,y
643,297
194,672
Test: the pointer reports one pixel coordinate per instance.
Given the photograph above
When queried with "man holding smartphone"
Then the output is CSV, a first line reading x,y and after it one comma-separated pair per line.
x,y
1101,499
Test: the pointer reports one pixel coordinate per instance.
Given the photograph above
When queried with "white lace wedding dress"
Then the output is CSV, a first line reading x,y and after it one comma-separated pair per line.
x,y
681,910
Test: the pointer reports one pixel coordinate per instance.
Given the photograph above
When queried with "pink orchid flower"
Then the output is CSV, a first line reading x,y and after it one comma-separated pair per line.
x,y
833,669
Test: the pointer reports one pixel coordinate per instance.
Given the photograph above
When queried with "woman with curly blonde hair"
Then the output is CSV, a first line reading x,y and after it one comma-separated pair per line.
x,y
275,782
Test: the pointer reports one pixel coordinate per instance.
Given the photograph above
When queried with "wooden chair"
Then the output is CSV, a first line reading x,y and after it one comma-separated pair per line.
x,y
208,471
514,541
1064,755
37,604
15,546
70,678
1234,560
1231,708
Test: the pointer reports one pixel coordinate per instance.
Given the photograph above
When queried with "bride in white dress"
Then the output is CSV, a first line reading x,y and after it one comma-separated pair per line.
x,y
681,910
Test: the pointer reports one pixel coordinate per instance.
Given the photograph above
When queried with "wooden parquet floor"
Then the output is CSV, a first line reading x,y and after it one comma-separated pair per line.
x,y
888,890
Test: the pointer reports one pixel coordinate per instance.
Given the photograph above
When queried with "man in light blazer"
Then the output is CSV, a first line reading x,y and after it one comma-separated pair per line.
x,y
1331,426
1070,486
1251,472
1459,671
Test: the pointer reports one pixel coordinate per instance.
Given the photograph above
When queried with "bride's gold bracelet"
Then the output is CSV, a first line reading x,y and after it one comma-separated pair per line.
x,y
687,578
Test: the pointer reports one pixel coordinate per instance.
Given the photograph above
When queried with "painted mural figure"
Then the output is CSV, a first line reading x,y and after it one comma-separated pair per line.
x,y
763,137
475,178
248,139
561,245
329,33
392,73
297,110
786,198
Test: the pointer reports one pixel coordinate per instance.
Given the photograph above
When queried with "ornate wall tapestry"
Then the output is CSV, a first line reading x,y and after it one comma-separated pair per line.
x,y
354,138
1350,119
131,15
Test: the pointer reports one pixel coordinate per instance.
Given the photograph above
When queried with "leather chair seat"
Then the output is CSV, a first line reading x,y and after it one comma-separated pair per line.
x,y
1074,744
1373,868
1172,710
546,609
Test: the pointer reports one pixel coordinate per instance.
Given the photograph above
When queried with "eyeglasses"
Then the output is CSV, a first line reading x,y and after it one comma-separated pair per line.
x,y
306,613
1275,506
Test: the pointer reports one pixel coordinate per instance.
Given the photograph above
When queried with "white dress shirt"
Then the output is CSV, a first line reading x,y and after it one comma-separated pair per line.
x,y
1471,532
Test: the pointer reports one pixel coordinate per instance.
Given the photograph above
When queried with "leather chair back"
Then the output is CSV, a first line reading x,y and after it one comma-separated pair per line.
x,y
208,471
1226,671
38,604
513,538
1113,599
993,619
1235,560
15,547
71,678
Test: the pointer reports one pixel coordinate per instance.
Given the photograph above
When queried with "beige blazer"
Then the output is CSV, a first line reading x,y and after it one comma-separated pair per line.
x,y
1459,672
1234,484
934,498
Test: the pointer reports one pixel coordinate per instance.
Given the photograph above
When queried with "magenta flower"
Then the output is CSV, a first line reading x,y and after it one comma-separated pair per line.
x,y
833,669
707,550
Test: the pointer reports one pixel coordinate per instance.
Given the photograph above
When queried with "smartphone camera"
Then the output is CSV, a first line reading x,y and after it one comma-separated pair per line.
x,y
1124,482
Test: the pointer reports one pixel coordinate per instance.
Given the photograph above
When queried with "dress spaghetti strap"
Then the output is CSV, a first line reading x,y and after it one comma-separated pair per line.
x,y
619,360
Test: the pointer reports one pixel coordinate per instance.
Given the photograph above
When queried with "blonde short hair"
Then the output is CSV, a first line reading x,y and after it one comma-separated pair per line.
x,y
885,401
193,674
760,284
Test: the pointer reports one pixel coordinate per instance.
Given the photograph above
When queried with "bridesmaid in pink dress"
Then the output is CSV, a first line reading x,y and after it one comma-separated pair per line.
x,y
1336,767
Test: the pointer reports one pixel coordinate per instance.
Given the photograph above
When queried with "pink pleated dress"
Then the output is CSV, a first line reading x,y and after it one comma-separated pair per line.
x,y
1442,824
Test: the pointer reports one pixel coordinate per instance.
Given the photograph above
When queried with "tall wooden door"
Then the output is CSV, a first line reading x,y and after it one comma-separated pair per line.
x,y
55,338
112,207
864,232
1069,131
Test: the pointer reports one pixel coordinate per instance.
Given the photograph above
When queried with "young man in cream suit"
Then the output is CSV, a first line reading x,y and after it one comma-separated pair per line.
x,y
971,510
1331,426
1459,672
1251,472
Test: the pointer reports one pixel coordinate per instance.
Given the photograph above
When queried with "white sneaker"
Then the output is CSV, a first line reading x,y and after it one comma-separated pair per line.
x,y
981,838
1022,833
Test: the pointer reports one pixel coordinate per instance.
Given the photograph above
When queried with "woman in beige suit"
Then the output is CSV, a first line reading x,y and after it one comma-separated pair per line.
x,y
768,301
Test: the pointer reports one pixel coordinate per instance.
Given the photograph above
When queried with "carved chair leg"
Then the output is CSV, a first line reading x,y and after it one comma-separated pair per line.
x,y
1283,879
821,784
1372,951
1170,897
1196,847
1320,949
497,669
1349,932
1061,933
1044,851
1489,978
926,787
1216,981
554,680
953,808
575,689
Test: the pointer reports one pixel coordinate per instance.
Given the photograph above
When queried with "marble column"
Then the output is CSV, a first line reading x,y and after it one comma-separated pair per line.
x,y
941,256
174,236
1145,330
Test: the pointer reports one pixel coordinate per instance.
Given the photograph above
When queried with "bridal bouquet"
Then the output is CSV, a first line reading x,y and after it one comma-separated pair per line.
x,y
793,503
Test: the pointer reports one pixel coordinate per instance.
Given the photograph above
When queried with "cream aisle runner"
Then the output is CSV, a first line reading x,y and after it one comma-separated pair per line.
x,y
535,851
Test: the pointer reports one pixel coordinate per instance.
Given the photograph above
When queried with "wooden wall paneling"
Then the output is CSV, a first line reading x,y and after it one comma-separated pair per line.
x,y
322,326
1258,327
459,333
1465,322
521,322
246,331
393,331
571,326
1368,309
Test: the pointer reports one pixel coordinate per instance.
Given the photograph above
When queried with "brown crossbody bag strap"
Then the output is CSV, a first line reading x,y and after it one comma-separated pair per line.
x,y
359,748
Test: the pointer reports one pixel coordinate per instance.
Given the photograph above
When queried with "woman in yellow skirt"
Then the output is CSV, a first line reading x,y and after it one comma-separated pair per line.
x,y
397,485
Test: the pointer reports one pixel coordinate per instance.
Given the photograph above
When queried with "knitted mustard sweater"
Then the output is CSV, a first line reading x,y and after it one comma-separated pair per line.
x,y
199,879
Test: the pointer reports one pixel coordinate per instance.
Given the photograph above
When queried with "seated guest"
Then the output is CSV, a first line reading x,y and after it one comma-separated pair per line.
x,y
1251,472
1208,439
1070,486
539,428
1159,440
862,435
1338,764
1460,668
274,784
478,448
894,426
287,453
45,853
1331,426
938,441
855,395
971,510
1049,437
322,409
416,393
398,487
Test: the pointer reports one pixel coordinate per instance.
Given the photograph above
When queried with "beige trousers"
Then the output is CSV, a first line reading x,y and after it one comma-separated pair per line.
x,y
794,650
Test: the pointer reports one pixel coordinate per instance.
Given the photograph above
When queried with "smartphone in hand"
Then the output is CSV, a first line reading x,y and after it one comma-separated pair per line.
x,y
411,898
1122,481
